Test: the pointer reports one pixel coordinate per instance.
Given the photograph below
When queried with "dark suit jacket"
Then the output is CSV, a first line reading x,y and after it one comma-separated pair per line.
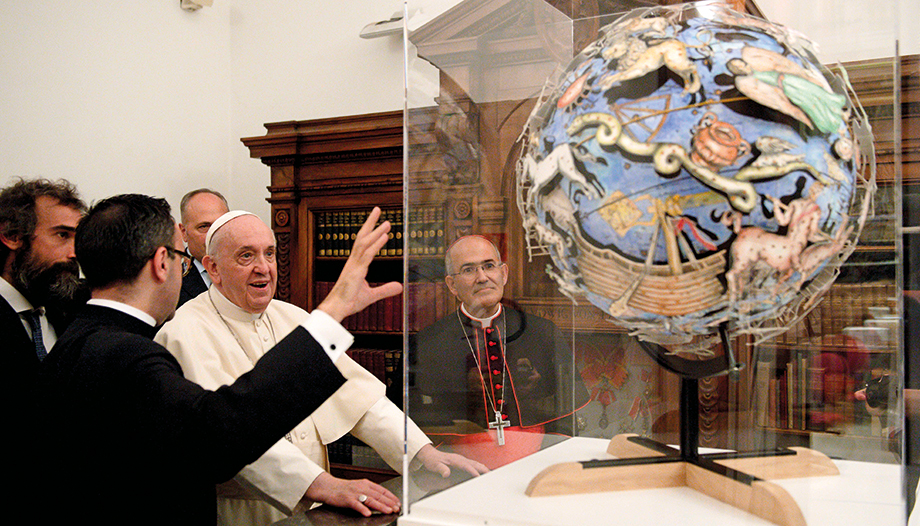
x,y
128,440
19,364
192,286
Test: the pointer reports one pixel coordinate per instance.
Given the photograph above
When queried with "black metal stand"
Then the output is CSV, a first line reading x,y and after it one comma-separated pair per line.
x,y
690,425
689,443
688,467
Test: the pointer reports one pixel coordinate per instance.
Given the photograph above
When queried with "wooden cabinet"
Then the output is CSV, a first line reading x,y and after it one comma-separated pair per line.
x,y
339,164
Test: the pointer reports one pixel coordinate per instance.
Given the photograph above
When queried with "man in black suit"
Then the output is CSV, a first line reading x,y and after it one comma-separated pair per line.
x,y
124,437
39,277
198,210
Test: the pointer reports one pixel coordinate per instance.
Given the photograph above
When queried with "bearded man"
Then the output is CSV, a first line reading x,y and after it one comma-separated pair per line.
x,y
39,288
39,282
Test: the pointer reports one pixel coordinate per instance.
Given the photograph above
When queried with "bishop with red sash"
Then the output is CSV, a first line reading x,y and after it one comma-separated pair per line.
x,y
489,380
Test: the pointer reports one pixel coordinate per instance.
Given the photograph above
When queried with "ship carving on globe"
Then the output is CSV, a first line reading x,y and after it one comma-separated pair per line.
x,y
689,174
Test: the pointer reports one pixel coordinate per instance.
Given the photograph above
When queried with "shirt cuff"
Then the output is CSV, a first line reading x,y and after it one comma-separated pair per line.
x,y
329,333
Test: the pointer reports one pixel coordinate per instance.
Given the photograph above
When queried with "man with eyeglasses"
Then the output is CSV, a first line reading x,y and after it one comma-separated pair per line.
x,y
119,429
491,380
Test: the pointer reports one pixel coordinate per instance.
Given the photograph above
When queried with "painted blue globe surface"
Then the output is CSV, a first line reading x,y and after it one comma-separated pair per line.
x,y
688,172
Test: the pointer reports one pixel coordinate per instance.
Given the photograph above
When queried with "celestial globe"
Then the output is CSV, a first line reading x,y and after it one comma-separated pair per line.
x,y
697,174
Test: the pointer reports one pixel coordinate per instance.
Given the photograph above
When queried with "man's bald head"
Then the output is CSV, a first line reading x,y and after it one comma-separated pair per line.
x,y
199,209
476,274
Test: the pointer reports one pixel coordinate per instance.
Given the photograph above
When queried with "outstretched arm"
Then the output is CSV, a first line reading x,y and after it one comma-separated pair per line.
x,y
351,293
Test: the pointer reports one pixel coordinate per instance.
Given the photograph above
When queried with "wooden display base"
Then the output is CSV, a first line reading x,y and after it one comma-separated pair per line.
x,y
737,480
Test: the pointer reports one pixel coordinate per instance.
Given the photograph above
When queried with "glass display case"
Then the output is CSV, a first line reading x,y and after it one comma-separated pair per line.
x,y
653,254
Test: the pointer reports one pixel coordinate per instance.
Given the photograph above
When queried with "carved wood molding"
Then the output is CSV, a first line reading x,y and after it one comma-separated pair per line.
x,y
874,83
334,139
341,163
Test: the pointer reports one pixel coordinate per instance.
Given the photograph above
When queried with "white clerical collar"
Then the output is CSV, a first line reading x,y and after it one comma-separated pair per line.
x,y
14,297
125,308
485,322
229,309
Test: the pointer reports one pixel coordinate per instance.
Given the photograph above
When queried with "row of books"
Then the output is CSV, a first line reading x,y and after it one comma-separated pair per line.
x,y
425,231
349,450
427,301
844,305
336,231
386,365
802,395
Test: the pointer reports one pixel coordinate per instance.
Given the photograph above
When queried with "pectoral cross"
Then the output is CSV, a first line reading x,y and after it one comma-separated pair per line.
x,y
499,426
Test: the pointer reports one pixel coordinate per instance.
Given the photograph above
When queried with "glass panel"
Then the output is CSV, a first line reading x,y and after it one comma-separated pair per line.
x,y
691,217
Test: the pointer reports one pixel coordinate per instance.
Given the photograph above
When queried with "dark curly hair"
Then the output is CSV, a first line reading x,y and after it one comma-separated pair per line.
x,y
17,208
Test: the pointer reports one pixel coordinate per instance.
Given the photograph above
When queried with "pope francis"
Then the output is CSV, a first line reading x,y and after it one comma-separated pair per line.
x,y
221,334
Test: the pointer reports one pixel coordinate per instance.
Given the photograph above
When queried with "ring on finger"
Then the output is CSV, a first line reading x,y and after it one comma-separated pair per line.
x,y
362,498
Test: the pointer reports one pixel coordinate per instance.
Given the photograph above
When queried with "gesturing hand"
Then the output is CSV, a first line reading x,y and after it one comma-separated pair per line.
x,y
351,292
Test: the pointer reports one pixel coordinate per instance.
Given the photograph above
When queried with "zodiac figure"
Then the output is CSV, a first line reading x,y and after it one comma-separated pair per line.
x,y
716,144
635,59
560,161
773,152
776,82
781,252
816,254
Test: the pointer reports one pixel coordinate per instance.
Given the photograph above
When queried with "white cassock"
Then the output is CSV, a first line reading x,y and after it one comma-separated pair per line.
x,y
216,342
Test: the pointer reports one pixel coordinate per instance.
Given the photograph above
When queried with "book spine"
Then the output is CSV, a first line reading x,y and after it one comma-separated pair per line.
x,y
320,233
398,227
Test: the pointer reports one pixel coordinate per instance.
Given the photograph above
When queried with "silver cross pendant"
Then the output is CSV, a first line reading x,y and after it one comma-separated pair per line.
x,y
499,426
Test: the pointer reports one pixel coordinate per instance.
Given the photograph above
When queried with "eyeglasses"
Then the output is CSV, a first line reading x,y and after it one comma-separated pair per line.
x,y
470,271
186,258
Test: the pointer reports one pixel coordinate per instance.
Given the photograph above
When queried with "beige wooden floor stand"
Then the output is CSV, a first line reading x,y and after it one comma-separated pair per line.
x,y
760,497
